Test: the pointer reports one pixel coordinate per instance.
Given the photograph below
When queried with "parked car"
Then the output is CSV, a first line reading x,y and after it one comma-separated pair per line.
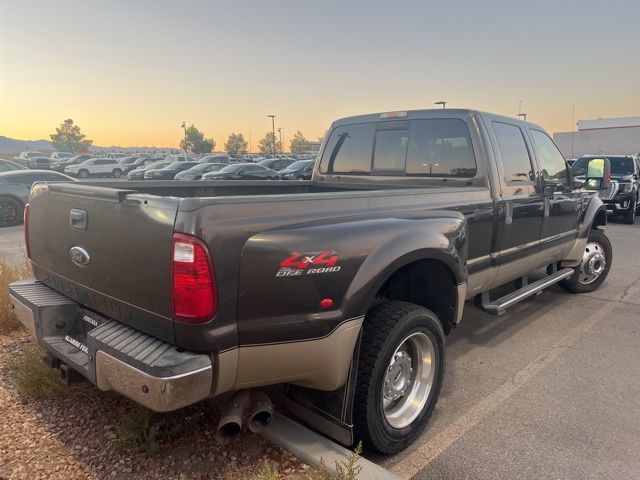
x,y
39,163
137,163
300,170
24,156
96,167
215,158
180,158
195,173
14,192
114,156
242,171
59,156
8,166
343,287
623,196
138,173
276,164
61,165
168,172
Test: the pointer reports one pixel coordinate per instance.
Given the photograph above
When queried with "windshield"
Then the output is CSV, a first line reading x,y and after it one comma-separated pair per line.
x,y
174,166
300,164
619,165
200,167
157,165
231,168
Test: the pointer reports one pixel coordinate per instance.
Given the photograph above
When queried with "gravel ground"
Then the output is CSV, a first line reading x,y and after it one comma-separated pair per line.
x,y
76,437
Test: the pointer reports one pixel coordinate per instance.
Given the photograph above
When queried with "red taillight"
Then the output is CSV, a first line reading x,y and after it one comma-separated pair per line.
x,y
26,230
193,290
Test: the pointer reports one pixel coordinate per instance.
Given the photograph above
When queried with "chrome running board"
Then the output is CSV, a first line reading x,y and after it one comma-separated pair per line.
x,y
498,307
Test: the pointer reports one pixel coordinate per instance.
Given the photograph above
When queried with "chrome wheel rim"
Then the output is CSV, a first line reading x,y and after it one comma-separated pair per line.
x,y
408,380
594,263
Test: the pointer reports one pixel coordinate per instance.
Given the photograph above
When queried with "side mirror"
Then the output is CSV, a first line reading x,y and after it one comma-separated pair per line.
x,y
598,174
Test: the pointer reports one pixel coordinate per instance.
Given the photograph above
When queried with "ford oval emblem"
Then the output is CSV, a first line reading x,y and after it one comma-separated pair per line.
x,y
79,256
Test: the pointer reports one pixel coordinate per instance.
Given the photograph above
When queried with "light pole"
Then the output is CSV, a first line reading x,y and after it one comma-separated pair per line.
x,y
184,126
280,133
273,133
441,102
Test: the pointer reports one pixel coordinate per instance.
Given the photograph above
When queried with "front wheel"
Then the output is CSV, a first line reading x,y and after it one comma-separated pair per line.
x,y
400,374
116,173
83,174
594,267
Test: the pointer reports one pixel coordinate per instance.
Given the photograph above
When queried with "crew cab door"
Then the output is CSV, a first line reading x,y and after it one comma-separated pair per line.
x,y
562,206
521,204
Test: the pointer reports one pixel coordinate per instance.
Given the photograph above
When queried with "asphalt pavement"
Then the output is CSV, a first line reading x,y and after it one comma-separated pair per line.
x,y
548,390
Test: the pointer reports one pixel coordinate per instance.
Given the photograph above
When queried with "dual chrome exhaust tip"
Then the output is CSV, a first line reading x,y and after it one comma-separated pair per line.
x,y
249,408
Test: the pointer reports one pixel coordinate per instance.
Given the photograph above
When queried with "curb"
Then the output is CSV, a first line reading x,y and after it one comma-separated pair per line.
x,y
311,447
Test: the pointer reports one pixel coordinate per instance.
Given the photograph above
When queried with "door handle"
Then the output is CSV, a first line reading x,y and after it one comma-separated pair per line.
x,y
547,206
78,219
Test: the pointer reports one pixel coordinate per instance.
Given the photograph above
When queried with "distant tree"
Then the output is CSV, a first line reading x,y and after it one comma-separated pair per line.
x,y
69,138
195,142
298,143
268,144
236,144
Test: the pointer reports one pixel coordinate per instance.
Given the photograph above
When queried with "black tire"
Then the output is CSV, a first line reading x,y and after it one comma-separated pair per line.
x,y
83,173
116,173
629,215
385,327
573,283
11,212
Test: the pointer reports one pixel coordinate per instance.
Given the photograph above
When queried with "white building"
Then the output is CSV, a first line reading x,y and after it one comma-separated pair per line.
x,y
614,136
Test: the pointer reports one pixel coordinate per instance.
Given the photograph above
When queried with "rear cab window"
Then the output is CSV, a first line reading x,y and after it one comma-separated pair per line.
x,y
439,147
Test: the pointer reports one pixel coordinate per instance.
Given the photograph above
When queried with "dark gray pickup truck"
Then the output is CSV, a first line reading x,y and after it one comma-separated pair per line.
x,y
341,288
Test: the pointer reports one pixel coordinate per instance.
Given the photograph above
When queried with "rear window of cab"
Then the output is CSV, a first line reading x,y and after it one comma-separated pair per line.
x,y
422,148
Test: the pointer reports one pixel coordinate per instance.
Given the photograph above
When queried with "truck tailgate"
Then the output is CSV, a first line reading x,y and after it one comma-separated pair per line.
x,y
122,238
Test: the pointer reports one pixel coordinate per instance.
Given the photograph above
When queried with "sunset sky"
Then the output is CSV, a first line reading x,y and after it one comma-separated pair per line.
x,y
128,72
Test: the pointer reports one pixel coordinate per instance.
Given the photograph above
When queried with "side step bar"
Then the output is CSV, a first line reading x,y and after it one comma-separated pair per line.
x,y
499,306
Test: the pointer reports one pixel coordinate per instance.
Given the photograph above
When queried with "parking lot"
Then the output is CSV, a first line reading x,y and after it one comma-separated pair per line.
x,y
548,390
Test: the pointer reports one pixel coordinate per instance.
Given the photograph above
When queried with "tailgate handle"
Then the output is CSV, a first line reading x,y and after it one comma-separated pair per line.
x,y
78,219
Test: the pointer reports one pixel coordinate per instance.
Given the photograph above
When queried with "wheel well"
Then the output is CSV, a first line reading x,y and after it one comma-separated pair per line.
x,y
428,283
17,199
600,219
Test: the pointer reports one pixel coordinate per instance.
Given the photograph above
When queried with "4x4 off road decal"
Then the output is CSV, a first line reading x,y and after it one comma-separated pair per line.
x,y
309,264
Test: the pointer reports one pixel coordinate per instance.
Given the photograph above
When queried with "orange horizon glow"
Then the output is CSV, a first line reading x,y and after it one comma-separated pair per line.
x,y
128,73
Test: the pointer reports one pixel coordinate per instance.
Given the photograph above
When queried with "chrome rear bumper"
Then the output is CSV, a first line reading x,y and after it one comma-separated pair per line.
x,y
113,356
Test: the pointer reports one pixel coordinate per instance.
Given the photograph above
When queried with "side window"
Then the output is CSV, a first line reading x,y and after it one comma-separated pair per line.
x,y
349,150
551,160
440,148
514,153
390,154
